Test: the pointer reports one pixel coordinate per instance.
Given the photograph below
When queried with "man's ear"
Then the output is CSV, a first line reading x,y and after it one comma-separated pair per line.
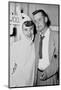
x,y
46,19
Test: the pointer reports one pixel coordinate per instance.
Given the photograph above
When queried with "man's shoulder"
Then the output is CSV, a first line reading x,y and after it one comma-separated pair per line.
x,y
54,35
53,32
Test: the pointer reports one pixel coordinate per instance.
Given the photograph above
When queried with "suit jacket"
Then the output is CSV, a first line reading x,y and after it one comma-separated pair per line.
x,y
52,69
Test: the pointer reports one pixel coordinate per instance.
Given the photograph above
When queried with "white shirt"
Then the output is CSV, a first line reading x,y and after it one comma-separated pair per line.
x,y
44,62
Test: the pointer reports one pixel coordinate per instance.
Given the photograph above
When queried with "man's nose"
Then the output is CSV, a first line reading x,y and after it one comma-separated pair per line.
x,y
37,25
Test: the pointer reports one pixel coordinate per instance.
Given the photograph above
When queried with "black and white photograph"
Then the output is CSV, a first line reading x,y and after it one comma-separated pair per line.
x,y
34,43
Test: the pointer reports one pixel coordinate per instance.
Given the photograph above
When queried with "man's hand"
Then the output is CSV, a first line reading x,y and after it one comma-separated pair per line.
x,y
43,75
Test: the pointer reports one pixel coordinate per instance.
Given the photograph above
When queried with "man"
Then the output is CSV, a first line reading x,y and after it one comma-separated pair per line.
x,y
46,66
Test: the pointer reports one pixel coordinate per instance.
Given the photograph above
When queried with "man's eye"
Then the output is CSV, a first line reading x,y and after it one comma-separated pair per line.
x,y
36,21
39,19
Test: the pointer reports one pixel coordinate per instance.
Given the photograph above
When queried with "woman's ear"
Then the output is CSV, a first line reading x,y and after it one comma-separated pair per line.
x,y
46,19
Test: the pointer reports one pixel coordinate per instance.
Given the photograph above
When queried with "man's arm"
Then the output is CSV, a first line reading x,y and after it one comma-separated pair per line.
x,y
53,67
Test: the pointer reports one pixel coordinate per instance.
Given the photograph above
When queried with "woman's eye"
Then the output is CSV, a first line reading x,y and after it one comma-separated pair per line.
x,y
31,28
25,29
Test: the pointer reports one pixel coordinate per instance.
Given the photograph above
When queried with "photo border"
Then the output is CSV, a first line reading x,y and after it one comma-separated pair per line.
x,y
9,40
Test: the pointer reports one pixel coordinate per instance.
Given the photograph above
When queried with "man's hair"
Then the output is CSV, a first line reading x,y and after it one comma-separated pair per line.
x,y
48,23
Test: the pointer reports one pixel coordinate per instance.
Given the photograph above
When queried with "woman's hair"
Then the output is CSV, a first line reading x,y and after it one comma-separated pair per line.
x,y
48,23
35,32
28,23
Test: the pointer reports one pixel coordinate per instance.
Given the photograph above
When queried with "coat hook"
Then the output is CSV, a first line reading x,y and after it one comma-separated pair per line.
x,y
21,10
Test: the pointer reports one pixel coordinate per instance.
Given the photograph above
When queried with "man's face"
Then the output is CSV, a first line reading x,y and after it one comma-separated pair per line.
x,y
28,31
39,21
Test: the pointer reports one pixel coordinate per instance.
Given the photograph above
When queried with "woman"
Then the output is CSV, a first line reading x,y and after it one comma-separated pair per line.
x,y
22,56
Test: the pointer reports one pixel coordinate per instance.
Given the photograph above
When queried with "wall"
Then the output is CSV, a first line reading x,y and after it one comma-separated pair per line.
x,y
28,8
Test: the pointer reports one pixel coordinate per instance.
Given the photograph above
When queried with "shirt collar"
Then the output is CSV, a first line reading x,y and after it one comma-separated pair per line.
x,y
46,33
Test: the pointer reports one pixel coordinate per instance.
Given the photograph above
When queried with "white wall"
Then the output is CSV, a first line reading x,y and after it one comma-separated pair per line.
x,y
51,10
28,8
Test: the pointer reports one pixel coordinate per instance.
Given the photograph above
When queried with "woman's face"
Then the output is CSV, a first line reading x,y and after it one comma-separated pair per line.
x,y
28,31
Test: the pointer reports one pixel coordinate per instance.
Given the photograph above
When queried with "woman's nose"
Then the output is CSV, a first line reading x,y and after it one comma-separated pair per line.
x,y
28,31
